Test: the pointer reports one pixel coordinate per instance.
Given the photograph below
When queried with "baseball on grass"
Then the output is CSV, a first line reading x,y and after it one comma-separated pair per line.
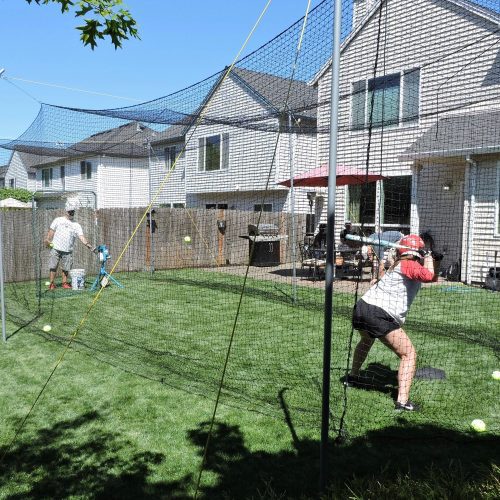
x,y
496,375
187,239
47,283
46,328
478,425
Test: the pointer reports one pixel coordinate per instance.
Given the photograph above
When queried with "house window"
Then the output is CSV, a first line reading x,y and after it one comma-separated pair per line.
x,y
213,152
170,155
386,100
178,205
395,201
12,183
63,176
2,183
393,204
85,170
213,206
361,203
47,176
264,207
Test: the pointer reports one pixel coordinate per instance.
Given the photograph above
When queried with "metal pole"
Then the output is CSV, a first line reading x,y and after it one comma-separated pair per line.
x,y
292,203
330,243
2,295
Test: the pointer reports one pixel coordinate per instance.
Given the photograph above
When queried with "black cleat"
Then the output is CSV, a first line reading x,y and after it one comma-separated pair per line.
x,y
408,406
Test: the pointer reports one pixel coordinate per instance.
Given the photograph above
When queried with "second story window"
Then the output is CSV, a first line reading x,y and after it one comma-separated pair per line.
x,y
170,155
85,170
213,152
63,176
386,100
47,176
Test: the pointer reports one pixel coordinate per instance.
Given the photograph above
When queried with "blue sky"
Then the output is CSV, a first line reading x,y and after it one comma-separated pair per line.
x,y
181,43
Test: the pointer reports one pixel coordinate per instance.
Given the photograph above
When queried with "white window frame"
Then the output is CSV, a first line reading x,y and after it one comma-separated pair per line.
x,y
50,174
171,156
62,173
379,207
85,170
401,122
224,153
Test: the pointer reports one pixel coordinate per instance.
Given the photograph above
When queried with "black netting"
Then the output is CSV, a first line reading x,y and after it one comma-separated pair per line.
x,y
212,203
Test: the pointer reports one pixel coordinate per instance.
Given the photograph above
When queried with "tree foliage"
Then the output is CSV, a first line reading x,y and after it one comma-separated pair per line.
x,y
16,193
102,18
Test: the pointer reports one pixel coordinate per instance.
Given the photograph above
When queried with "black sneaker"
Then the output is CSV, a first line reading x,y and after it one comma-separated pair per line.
x,y
354,381
408,406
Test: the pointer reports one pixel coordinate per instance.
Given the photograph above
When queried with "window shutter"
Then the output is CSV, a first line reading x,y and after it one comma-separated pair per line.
x,y
89,170
51,173
82,170
225,152
411,95
358,104
201,154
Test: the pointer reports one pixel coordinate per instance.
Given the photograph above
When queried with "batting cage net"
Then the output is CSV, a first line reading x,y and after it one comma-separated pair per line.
x,y
204,223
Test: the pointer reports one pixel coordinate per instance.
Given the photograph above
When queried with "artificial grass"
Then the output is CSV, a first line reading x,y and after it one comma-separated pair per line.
x,y
101,431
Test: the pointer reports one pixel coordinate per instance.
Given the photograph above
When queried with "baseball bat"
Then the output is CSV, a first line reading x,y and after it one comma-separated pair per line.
x,y
376,242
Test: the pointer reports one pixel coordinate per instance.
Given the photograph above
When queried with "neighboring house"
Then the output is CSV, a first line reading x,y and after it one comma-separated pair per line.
x,y
20,173
109,169
238,146
3,171
435,118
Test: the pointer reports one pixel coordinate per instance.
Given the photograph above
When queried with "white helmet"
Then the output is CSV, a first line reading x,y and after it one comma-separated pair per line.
x,y
71,204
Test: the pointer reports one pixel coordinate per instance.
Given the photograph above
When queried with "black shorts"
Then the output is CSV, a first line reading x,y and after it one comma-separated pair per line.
x,y
373,320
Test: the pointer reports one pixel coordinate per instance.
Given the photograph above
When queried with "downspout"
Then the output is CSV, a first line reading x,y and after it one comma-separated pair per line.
x,y
472,172
414,213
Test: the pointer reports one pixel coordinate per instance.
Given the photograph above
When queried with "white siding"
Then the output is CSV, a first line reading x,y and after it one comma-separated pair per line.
x,y
168,185
122,182
257,158
456,52
17,171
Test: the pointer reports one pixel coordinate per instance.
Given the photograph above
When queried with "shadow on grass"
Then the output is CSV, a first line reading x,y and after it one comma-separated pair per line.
x,y
410,452
77,459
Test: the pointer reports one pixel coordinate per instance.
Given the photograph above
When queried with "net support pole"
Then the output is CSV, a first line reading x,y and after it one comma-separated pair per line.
x,y
2,294
291,148
330,244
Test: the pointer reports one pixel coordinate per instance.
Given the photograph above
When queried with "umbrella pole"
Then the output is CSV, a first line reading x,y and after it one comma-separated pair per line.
x,y
330,236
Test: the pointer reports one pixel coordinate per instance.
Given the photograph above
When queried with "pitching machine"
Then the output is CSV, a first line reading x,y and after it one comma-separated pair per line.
x,y
103,276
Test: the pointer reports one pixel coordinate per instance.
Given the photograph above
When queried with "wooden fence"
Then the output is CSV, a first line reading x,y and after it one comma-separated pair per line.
x,y
25,255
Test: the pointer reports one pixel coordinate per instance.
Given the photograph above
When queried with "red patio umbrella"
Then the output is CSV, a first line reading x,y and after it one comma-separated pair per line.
x,y
318,177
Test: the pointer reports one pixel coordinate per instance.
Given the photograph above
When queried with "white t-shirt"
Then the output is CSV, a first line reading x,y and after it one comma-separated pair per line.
x,y
65,232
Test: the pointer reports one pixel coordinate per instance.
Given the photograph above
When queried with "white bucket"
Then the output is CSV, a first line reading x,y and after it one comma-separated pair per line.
x,y
77,279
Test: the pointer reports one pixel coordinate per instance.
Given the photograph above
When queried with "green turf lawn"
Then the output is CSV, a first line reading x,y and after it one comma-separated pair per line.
x,y
99,430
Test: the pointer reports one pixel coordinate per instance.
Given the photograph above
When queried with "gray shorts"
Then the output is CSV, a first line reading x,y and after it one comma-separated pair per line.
x,y
66,259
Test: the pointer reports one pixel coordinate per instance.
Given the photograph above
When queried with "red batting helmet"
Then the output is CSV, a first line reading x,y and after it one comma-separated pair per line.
x,y
414,244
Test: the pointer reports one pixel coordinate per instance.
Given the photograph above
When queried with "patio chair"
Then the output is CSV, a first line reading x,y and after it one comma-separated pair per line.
x,y
311,259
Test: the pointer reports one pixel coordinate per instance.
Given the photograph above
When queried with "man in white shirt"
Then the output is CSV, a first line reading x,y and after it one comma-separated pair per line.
x,y
61,239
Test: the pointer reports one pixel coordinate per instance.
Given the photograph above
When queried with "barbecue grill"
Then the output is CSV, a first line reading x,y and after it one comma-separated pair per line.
x,y
263,244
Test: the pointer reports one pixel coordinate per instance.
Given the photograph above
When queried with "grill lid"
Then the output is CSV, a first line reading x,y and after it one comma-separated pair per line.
x,y
262,229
